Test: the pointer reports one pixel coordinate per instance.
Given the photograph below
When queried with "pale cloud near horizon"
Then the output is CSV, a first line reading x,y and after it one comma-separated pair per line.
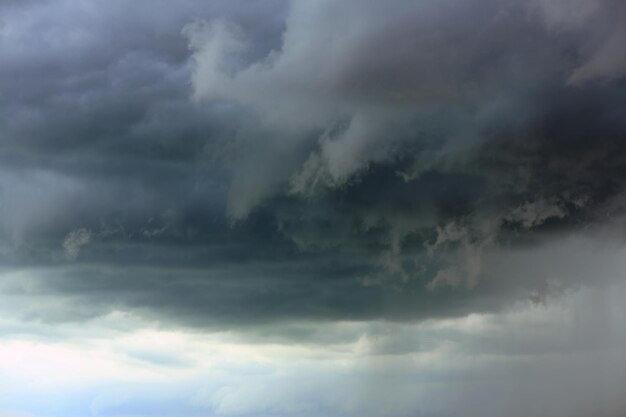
x,y
438,367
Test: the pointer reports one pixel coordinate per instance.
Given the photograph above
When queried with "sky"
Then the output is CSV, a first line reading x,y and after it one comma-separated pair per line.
x,y
312,208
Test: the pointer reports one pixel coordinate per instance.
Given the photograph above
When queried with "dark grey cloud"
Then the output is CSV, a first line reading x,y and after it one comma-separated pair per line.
x,y
320,207
243,162
95,116
476,116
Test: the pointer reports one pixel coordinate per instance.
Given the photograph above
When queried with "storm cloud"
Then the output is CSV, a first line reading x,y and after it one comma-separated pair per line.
x,y
306,160
374,184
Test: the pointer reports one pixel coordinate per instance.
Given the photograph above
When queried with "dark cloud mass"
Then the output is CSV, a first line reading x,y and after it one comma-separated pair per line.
x,y
239,162
237,208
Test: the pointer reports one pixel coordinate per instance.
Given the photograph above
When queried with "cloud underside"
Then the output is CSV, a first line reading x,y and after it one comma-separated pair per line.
x,y
308,160
560,358
312,208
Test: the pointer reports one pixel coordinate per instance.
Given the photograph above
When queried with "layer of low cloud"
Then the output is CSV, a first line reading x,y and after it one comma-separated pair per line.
x,y
528,360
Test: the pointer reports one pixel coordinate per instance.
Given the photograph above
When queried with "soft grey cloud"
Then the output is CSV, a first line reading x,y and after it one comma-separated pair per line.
x,y
405,170
74,241
440,104
428,59
296,208
531,355
600,26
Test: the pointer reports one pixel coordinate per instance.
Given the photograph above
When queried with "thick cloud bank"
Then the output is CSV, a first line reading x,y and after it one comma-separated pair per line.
x,y
426,125
221,163
400,194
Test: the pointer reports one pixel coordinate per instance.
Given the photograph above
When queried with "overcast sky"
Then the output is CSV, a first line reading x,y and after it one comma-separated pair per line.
x,y
312,208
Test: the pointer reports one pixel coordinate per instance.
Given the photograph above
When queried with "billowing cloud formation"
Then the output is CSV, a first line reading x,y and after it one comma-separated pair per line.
x,y
327,157
390,122
402,194
369,80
